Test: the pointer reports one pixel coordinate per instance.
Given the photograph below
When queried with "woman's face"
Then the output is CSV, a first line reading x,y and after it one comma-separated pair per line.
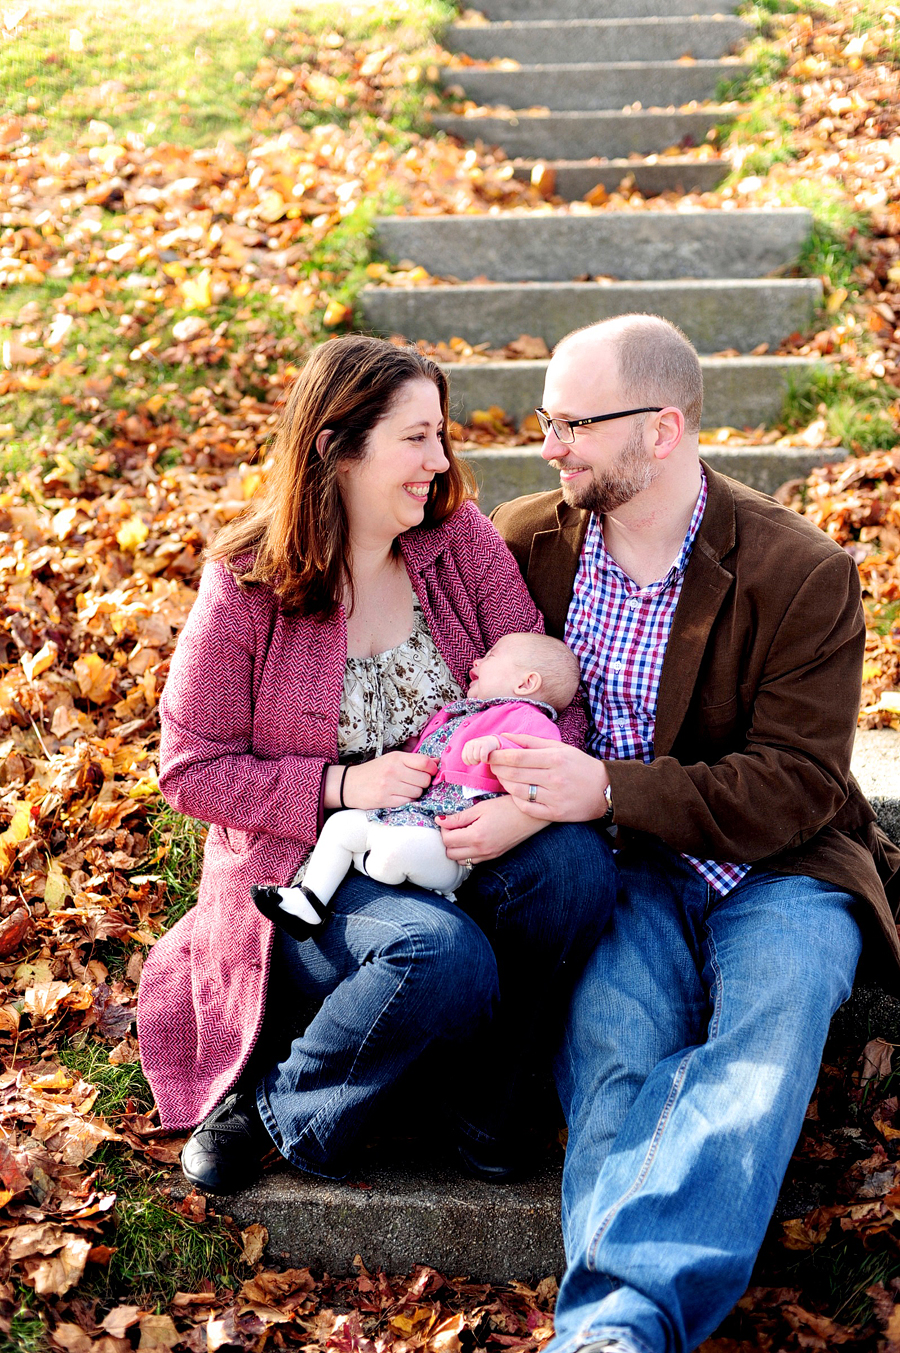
x,y
385,493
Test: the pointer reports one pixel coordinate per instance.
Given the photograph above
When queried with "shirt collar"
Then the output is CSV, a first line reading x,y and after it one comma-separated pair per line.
x,y
595,543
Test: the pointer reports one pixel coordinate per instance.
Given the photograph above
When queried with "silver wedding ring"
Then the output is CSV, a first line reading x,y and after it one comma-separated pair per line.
x,y
532,793
469,864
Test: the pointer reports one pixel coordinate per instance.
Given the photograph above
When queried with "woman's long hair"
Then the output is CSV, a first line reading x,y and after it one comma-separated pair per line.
x,y
296,528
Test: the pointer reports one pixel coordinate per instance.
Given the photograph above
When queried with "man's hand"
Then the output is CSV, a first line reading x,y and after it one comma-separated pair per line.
x,y
479,749
487,829
570,783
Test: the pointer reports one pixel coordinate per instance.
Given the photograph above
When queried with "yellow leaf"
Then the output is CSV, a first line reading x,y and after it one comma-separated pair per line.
x,y
56,889
271,206
45,657
145,787
251,483
335,314
20,826
197,291
870,671
836,299
894,273
890,701
132,534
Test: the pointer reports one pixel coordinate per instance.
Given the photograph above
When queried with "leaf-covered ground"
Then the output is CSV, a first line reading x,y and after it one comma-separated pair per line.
x,y
158,290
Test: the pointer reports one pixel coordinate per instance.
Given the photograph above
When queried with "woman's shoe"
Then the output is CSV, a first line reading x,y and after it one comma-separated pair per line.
x,y
223,1154
268,900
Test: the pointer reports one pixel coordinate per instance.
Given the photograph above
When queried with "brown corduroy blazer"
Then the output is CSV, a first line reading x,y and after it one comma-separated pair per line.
x,y
758,698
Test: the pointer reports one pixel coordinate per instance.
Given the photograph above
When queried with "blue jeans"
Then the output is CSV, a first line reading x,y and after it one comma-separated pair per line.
x,y
691,1053
398,970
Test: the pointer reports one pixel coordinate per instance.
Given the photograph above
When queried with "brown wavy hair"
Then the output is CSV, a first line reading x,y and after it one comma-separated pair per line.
x,y
296,527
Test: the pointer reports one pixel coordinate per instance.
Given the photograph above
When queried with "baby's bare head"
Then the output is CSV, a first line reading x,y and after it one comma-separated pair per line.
x,y
530,666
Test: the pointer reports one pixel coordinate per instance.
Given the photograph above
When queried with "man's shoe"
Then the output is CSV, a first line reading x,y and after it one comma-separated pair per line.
x,y
222,1155
493,1163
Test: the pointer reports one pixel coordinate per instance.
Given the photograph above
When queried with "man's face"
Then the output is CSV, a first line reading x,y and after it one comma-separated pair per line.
x,y
608,464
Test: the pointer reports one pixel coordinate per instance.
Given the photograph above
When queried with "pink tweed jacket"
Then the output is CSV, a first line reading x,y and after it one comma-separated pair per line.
x,y
249,723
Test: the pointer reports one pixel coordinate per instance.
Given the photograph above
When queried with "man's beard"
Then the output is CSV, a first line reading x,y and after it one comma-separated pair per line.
x,y
632,473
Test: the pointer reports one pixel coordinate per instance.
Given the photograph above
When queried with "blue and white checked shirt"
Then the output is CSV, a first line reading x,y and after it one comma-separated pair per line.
x,y
619,632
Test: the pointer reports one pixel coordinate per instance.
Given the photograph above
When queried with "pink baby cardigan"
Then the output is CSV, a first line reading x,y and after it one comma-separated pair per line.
x,y
519,716
249,723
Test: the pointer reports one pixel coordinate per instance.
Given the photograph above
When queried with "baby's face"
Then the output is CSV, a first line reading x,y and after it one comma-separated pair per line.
x,y
499,672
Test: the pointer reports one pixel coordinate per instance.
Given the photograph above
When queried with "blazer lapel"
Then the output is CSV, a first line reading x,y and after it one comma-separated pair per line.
x,y
552,566
706,584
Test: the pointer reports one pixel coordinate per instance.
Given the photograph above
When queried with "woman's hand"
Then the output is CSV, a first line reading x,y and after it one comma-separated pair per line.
x,y
487,829
385,782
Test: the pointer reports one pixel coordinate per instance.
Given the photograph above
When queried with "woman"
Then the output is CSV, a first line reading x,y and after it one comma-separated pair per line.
x,y
333,619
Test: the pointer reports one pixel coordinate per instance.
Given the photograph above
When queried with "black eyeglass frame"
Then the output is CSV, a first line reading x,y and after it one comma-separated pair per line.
x,y
545,422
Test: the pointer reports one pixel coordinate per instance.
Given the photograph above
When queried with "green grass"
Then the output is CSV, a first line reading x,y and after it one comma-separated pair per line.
x,y
830,251
117,1084
27,1332
159,1252
190,79
855,410
176,852
160,80
885,618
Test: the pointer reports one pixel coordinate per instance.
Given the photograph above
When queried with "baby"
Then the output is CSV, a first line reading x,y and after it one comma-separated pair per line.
x,y
519,686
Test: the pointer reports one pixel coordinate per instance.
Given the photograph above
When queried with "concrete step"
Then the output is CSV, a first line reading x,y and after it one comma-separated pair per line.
x,y
408,1204
739,313
589,87
633,246
506,472
739,392
574,179
515,10
581,135
575,40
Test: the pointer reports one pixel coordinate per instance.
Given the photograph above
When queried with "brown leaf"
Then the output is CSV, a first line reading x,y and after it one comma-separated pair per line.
x,y
158,1334
121,1318
875,1061
14,929
255,1239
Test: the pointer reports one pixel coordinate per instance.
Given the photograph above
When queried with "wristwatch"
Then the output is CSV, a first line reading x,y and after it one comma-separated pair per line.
x,y
608,815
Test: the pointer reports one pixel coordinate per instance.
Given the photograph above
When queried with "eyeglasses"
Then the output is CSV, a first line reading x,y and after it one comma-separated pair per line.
x,y
564,428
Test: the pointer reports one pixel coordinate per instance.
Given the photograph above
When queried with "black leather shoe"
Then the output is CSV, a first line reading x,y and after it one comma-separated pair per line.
x,y
268,901
495,1164
222,1155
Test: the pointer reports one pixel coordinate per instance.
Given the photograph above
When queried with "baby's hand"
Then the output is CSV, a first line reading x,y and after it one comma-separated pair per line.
x,y
479,749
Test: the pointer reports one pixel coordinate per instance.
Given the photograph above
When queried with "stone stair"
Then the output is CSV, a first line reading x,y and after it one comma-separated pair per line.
x,y
718,274
571,80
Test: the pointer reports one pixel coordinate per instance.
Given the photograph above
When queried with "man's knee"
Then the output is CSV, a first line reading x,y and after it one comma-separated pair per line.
x,y
560,884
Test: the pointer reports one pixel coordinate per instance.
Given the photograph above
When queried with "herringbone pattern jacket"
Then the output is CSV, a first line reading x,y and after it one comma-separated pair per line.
x,y
249,722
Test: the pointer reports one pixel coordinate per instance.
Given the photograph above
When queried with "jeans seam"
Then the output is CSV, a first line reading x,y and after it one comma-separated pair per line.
x,y
662,1122
719,997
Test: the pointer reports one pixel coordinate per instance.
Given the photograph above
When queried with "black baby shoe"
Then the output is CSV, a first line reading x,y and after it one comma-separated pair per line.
x,y
268,901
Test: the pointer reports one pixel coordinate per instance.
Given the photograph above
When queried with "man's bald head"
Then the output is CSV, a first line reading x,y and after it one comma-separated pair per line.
x,y
656,363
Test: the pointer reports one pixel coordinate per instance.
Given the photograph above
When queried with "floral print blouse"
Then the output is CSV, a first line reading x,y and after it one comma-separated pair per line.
x,y
390,698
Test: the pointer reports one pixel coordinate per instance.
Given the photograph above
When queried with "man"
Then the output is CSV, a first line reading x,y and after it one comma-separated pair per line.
x,y
721,640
